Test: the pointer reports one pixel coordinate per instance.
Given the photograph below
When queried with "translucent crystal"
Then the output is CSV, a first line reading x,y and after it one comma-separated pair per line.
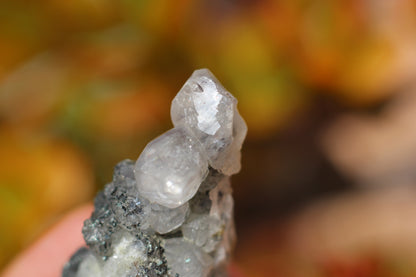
x,y
136,212
170,213
171,168
204,231
187,259
164,220
223,208
209,112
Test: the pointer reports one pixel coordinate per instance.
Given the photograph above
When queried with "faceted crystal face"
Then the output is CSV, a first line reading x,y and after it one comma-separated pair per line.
x,y
208,111
171,168
200,105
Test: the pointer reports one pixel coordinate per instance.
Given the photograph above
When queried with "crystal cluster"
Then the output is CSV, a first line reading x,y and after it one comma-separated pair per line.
x,y
170,213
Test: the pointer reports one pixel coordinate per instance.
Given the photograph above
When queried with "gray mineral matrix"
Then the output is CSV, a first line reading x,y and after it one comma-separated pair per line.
x,y
170,213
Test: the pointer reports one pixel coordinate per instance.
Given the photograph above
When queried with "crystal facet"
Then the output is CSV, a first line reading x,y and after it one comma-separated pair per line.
x,y
171,212
209,112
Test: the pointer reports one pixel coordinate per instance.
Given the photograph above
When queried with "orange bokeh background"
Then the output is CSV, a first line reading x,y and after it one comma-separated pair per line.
x,y
326,88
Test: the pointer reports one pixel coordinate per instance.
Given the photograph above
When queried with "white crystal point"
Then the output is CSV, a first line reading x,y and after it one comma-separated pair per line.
x,y
209,112
171,168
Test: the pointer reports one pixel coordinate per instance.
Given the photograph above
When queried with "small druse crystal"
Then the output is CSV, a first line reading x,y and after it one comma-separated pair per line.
x,y
171,212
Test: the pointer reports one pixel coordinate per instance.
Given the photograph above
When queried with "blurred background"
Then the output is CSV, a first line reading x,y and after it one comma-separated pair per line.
x,y
328,90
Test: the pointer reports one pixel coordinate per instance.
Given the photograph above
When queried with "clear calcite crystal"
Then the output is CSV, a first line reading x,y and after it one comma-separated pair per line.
x,y
209,112
171,212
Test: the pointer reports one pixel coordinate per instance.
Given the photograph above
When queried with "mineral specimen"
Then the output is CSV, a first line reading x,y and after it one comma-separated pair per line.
x,y
171,212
